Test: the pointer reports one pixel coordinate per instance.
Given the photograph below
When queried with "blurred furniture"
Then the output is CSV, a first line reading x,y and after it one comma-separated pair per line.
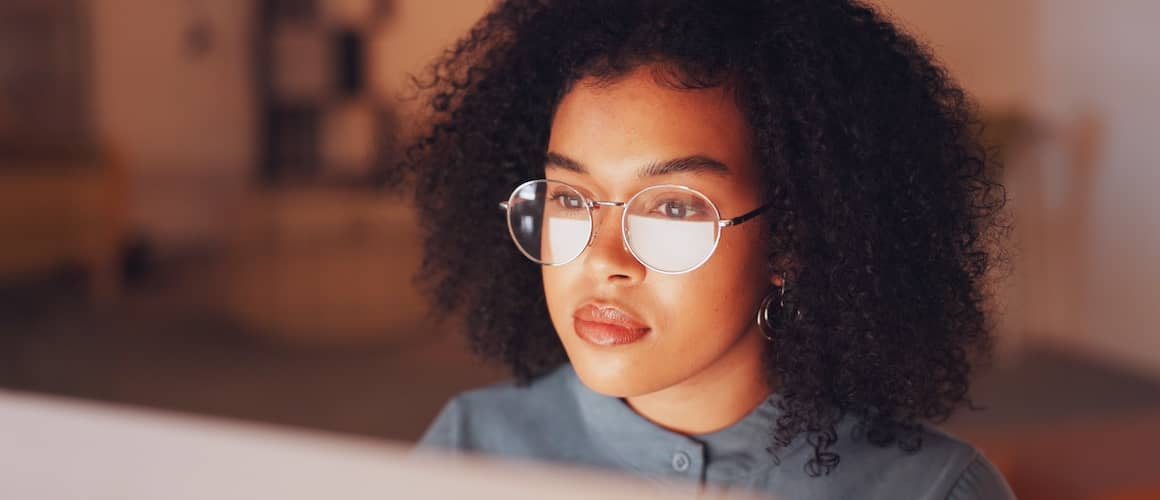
x,y
45,104
63,213
324,266
323,122
61,200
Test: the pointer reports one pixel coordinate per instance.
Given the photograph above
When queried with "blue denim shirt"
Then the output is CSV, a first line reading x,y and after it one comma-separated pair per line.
x,y
558,419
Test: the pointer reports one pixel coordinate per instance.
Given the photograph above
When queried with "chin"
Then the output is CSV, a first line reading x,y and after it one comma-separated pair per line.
x,y
622,371
616,375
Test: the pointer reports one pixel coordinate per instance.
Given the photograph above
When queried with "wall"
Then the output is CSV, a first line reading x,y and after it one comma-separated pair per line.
x,y
1088,218
1101,75
419,32
183,124
989,45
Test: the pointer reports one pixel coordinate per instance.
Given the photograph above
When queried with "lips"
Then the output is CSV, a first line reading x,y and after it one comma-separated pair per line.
x,y
607,325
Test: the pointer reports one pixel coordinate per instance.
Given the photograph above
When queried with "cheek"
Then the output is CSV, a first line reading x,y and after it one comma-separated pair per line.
x,y
715,298
720,296
557,293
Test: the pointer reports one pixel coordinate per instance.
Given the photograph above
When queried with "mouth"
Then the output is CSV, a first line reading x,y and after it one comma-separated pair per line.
x,y
607,325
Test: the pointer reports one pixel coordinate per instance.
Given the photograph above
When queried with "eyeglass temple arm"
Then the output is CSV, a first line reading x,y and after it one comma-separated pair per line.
x,y
744,217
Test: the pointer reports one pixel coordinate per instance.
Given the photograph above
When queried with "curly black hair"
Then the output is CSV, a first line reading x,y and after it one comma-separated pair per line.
x,y
887,205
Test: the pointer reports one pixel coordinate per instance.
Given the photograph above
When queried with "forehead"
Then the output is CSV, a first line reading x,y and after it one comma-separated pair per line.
x,y
616,129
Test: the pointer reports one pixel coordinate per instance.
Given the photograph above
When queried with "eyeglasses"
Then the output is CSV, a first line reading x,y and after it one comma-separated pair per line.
x,y
668,228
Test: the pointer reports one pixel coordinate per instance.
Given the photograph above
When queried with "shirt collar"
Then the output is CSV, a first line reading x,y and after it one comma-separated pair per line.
x,y
646,447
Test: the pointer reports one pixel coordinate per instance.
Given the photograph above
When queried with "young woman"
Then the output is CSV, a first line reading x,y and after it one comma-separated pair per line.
x,y
740,243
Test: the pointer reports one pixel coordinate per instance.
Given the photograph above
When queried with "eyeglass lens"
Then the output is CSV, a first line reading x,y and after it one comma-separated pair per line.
x,y
668,229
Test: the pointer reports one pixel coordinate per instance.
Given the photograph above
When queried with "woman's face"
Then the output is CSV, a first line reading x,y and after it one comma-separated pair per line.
x,y
699,322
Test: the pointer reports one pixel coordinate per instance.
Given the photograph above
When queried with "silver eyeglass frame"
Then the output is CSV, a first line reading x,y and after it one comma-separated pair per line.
x,y
590,205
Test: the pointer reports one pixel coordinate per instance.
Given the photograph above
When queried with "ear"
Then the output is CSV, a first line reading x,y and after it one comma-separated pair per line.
x,y
781,269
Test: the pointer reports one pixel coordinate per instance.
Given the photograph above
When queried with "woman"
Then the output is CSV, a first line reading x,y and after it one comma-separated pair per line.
x,y
738,243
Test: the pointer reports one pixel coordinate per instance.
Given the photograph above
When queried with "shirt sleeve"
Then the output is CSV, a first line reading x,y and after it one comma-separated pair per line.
x,y
981,481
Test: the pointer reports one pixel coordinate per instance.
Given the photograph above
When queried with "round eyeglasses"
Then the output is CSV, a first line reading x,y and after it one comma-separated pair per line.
x,y
668,228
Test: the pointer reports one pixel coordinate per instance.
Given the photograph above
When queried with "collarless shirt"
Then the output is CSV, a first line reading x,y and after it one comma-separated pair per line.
x,y
558,419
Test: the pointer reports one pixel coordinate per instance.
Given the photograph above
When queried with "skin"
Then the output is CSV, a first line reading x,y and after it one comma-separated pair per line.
x,y
699,369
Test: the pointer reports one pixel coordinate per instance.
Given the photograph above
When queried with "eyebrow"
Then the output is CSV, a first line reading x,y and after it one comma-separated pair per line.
x,y
687,164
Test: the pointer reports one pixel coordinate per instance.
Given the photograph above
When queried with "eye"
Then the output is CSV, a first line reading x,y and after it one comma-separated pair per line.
x,y
676,209
567,201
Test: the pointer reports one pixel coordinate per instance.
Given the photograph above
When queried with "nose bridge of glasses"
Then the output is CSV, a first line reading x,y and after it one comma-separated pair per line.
x,y
596,203
598,221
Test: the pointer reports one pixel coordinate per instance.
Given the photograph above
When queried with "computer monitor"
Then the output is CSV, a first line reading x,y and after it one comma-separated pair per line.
x,y
62,449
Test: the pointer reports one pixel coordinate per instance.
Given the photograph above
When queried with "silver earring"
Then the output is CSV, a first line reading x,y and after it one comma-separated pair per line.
x,y
769,314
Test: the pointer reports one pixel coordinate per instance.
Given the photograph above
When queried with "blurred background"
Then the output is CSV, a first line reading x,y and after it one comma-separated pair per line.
x,y
192,219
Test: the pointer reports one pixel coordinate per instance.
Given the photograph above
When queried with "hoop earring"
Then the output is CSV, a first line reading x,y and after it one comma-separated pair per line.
x,y
770,313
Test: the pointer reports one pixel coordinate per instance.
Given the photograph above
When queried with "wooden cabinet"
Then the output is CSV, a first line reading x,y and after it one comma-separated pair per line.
x,y
63,214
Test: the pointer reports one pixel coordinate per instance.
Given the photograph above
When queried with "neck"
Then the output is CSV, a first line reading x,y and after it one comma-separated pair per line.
x,y
714,398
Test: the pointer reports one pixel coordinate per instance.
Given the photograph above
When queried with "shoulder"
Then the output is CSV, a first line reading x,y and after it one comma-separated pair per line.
x,y
980,480
505,418
968,473
944,467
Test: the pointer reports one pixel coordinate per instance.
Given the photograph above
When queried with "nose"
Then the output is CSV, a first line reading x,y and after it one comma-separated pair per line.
x,y
608,257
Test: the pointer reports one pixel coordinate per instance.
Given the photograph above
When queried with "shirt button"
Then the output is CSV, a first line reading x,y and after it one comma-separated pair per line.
x,y
681,461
